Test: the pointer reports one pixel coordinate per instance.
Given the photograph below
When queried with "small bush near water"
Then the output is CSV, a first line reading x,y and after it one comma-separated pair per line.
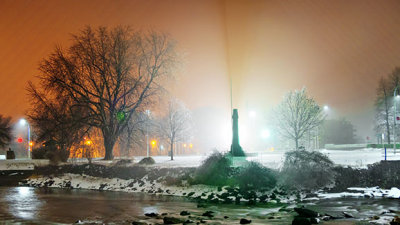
x,y
215,170
308,170
147,161
254,176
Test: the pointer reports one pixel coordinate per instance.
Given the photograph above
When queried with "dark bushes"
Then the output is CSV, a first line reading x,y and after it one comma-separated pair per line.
x,y
385,174
147,161
215,170
256,177
50,152
307,170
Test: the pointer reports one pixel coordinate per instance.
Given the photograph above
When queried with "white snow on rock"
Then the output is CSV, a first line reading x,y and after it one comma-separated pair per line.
x,y
393,193
369,192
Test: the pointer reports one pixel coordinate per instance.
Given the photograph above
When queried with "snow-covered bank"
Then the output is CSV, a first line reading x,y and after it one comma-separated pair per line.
x,y
370,192
22,164
159,185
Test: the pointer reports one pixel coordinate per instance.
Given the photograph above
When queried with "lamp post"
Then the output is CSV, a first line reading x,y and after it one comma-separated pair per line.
x,y
395,97
326,109
23,122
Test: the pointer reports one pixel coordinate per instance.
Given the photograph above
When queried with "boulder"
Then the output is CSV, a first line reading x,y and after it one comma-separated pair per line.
x,y
245,221
314,220
301,221
308,213
172,220
347,215
184,213
208,214
151,214
138,223
395,221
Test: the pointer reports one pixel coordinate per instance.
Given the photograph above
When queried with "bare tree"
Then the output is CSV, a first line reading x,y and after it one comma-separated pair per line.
x,y
5,131
176,125
54,121
383,105
111,73
297,114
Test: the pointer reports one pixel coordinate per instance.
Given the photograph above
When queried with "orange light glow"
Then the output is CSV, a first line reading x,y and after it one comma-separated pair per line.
x,y
153,143
31,143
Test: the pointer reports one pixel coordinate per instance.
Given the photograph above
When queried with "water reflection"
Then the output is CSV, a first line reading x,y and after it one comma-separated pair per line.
x,y
150,209
23,203
50,206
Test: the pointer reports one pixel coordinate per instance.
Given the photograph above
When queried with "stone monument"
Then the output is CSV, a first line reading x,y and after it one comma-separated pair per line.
x,y
236,150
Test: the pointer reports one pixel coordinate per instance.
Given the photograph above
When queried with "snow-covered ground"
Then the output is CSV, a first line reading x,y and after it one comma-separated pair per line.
x,y
356,158
22,164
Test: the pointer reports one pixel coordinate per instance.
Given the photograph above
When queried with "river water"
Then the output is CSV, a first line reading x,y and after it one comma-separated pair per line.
x,y
49,206
27,205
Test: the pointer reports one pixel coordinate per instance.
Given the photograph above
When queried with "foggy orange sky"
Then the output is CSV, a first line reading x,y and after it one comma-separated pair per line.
x,y
337,49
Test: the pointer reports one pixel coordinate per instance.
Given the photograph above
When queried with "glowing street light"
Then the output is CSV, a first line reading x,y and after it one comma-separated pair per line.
x,y
23,122
326,107
265,134
153,143
88,142
252,114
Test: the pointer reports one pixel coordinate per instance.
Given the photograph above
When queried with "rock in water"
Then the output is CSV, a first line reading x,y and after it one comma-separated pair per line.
x,y
395,221
347,215
314,220
172,220
245,221
138,223
208,214
301,221
184,213
303,212
151,214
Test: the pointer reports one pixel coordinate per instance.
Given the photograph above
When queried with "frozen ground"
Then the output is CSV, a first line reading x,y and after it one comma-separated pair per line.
x,y
355,158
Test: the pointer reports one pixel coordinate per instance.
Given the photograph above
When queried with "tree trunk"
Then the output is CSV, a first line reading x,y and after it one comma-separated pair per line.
x,y
387,117
172,150
109,143
297,143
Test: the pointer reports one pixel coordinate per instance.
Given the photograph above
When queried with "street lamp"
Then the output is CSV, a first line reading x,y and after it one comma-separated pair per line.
x,y
395,97
22,122
252,114
326,109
